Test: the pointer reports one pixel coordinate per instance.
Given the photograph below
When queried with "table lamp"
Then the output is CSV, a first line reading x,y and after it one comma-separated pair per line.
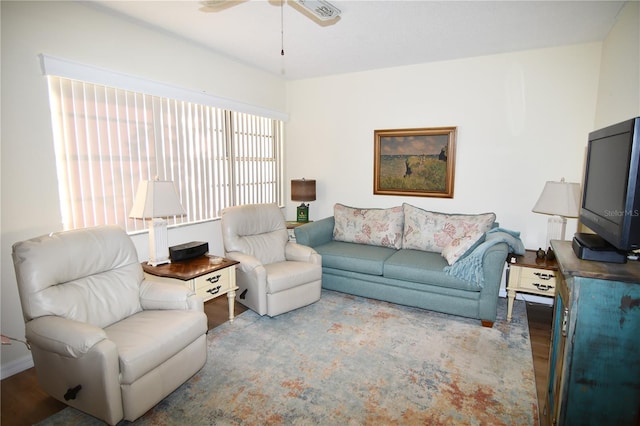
x,y
156,200
560,200
303,190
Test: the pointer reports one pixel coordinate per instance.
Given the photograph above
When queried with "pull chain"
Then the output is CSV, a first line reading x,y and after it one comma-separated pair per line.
x,y
282,27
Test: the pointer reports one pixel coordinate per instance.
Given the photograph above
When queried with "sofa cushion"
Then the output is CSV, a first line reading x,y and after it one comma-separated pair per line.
x,y
147,339
354,257
289,274
379,227
423,267
433,231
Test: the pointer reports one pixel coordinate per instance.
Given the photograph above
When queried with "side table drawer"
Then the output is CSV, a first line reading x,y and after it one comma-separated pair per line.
x,y
217,282
539,281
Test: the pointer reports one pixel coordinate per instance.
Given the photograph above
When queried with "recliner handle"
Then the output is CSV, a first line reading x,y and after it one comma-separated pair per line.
x,y
72,393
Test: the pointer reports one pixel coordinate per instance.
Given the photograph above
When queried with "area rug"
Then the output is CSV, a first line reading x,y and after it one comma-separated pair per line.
x,y
349,360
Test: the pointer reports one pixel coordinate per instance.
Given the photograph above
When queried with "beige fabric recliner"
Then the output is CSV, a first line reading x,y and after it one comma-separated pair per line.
x,y
275,275
103,339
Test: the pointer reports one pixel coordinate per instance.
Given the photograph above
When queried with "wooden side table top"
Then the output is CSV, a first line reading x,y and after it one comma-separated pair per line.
x,y
292,224
530,260
188,269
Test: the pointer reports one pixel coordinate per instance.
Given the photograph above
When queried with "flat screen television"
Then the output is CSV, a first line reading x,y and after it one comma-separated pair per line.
x,y
611,190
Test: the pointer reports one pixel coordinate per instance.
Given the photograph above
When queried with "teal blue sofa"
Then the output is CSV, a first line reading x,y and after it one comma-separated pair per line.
x,y
408,277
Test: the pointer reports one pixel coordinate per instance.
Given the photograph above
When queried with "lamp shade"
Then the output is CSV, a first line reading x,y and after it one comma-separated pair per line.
x,y
156,199
303,190
560,199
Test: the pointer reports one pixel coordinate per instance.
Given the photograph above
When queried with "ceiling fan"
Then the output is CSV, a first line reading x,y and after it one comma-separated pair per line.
x,y
321,9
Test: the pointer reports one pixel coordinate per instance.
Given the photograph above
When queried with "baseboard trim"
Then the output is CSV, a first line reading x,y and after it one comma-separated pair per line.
x,y
16,366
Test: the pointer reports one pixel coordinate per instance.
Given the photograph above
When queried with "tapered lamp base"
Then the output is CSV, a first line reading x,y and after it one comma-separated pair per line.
x,y
158,242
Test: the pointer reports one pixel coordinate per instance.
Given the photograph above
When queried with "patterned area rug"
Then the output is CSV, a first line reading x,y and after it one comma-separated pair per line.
x,y
348,360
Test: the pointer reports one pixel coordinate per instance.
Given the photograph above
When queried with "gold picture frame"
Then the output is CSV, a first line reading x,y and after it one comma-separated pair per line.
x,y
414,162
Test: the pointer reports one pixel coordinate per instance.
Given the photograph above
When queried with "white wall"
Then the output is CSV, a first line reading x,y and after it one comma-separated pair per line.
x,y
92,36
522,119
619,85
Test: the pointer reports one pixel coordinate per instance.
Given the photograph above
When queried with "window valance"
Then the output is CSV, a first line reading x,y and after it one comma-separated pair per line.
x,y
74,70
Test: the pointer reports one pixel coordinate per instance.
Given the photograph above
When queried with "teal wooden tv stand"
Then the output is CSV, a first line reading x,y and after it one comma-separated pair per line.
x,y
594,359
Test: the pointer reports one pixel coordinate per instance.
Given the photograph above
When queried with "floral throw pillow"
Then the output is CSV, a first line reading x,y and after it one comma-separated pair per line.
x,y
458,247
379,227
433,231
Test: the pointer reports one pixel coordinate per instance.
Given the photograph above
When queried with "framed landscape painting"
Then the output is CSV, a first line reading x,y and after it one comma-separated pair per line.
x,y
415,162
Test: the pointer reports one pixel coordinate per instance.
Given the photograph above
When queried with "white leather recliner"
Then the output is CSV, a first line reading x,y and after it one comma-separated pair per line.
x,y
103,339
274,275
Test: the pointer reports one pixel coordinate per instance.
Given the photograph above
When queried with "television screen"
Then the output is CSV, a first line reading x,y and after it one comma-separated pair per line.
x,y
611,193
606,179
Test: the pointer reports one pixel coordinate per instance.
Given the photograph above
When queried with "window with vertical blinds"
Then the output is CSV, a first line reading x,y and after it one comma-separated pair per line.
x,y
107,140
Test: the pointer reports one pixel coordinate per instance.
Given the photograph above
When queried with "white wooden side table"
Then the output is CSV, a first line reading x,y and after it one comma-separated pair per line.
x,y
528,274
207,277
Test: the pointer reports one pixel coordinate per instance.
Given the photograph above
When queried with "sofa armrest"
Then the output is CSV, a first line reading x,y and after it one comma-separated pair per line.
x,y
247,262
165,296
65,337
251,277
300,253
493,266
251,271
315,233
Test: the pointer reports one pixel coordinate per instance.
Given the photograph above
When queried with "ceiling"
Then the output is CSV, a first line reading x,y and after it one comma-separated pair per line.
x,y
372,34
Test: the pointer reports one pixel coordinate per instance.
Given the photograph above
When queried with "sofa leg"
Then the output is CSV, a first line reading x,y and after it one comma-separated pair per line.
x,y
486,323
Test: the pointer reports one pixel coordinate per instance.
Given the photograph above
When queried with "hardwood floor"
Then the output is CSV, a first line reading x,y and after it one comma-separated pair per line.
x,y
23,403
540,320
217,311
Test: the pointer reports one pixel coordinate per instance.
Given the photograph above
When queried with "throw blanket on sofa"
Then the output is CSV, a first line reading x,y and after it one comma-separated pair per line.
x,y
469,267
